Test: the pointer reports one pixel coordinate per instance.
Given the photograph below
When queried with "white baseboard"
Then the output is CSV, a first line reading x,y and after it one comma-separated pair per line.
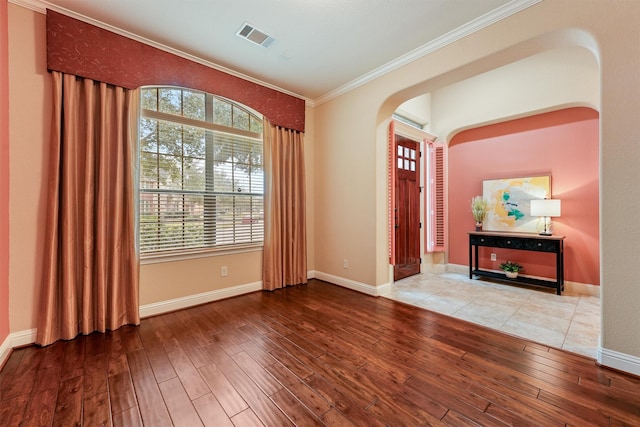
x,y
5,349
457,268
609,358
620,361
22,338
16,339
197,299
375,291
433,268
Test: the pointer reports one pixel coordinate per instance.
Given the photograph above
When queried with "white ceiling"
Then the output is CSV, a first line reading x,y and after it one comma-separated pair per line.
x,y
322,47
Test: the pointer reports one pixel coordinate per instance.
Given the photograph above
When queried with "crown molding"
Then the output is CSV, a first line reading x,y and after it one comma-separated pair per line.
x,y
477,24
442,41
41,6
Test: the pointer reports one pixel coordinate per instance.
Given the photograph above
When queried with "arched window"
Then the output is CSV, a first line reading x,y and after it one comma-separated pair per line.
x,y
201,173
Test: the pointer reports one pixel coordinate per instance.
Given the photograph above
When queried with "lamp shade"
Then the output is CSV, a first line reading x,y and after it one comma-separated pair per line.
x,y
545,207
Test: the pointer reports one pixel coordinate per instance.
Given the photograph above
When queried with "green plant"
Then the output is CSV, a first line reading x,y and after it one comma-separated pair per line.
x,y
512,267
478,208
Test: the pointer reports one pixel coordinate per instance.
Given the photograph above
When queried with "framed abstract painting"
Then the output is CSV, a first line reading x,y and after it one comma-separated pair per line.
x,y
509,202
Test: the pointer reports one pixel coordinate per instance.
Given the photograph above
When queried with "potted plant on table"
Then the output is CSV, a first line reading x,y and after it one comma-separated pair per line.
x,y
511,269
479,210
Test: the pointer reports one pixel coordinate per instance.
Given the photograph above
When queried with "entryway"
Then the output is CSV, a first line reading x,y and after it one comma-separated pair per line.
x,y
570,322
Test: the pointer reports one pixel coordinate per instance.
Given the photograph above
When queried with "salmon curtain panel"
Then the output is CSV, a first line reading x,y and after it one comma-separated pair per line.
x,y
285,235
91,268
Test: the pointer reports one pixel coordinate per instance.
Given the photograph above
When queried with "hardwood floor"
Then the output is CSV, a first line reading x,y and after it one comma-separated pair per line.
x,y
315,354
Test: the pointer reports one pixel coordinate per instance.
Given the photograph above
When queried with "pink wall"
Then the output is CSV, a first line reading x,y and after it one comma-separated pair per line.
x,y
4,173
563,144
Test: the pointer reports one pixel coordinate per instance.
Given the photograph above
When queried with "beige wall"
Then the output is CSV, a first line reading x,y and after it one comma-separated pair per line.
x,y
4,174
350,209
551,80
29,120
346,149
178,279
30,111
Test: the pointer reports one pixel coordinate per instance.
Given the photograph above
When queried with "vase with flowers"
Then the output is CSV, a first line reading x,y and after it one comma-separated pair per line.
x,y
479,210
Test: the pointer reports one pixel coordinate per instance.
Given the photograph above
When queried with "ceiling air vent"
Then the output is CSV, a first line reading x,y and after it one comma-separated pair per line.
x,y
254,35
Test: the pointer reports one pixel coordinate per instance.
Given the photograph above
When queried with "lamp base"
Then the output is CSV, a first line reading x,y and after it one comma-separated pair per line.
x,y
546,233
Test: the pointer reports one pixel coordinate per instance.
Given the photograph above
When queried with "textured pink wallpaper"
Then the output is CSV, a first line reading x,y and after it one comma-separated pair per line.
x,y
76,47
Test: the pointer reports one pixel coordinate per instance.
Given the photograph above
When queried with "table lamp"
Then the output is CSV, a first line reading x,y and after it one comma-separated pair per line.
x,y
545,209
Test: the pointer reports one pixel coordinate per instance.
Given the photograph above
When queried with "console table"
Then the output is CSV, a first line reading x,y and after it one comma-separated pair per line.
x,y
520,241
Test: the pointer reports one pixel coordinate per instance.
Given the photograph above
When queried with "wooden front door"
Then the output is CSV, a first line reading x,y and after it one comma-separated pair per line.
x,y
407,208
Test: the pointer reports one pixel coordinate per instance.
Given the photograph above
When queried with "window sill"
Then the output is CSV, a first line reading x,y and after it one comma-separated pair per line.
x,y
202,253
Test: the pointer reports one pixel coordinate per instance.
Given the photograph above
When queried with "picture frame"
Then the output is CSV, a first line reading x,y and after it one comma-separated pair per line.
x,y
508,201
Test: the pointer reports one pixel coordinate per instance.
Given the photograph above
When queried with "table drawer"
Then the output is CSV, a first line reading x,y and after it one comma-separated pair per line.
x,y
522,243
482,240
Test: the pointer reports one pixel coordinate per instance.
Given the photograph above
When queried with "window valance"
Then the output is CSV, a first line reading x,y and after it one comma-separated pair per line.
x,y
82,49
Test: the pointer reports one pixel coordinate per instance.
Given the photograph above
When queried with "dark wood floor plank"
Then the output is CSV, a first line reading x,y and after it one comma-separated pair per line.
x,y
469,369
223,390
150,403
187,372
565,406
246,418
347,404
258,353
314,354
94,344
180,407
24,376
95,379
10,365
257,400
68,410
292,362
41,408
96,411
460,407
153,332
294,409
211,412
128,418
130,339
116,355
522,407
335,418
121,392
192,337
224,340
12,411
138,361
387,385
612,390
257,373
312,400
406,415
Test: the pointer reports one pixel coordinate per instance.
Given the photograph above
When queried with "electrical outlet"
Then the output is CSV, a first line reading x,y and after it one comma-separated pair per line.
x,y
493,257
223,271
345,263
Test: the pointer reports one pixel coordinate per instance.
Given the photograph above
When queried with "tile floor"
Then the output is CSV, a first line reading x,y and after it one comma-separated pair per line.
x,y
568,321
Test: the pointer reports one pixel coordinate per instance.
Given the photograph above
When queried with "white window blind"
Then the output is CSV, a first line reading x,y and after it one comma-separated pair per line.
x,y
201,183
